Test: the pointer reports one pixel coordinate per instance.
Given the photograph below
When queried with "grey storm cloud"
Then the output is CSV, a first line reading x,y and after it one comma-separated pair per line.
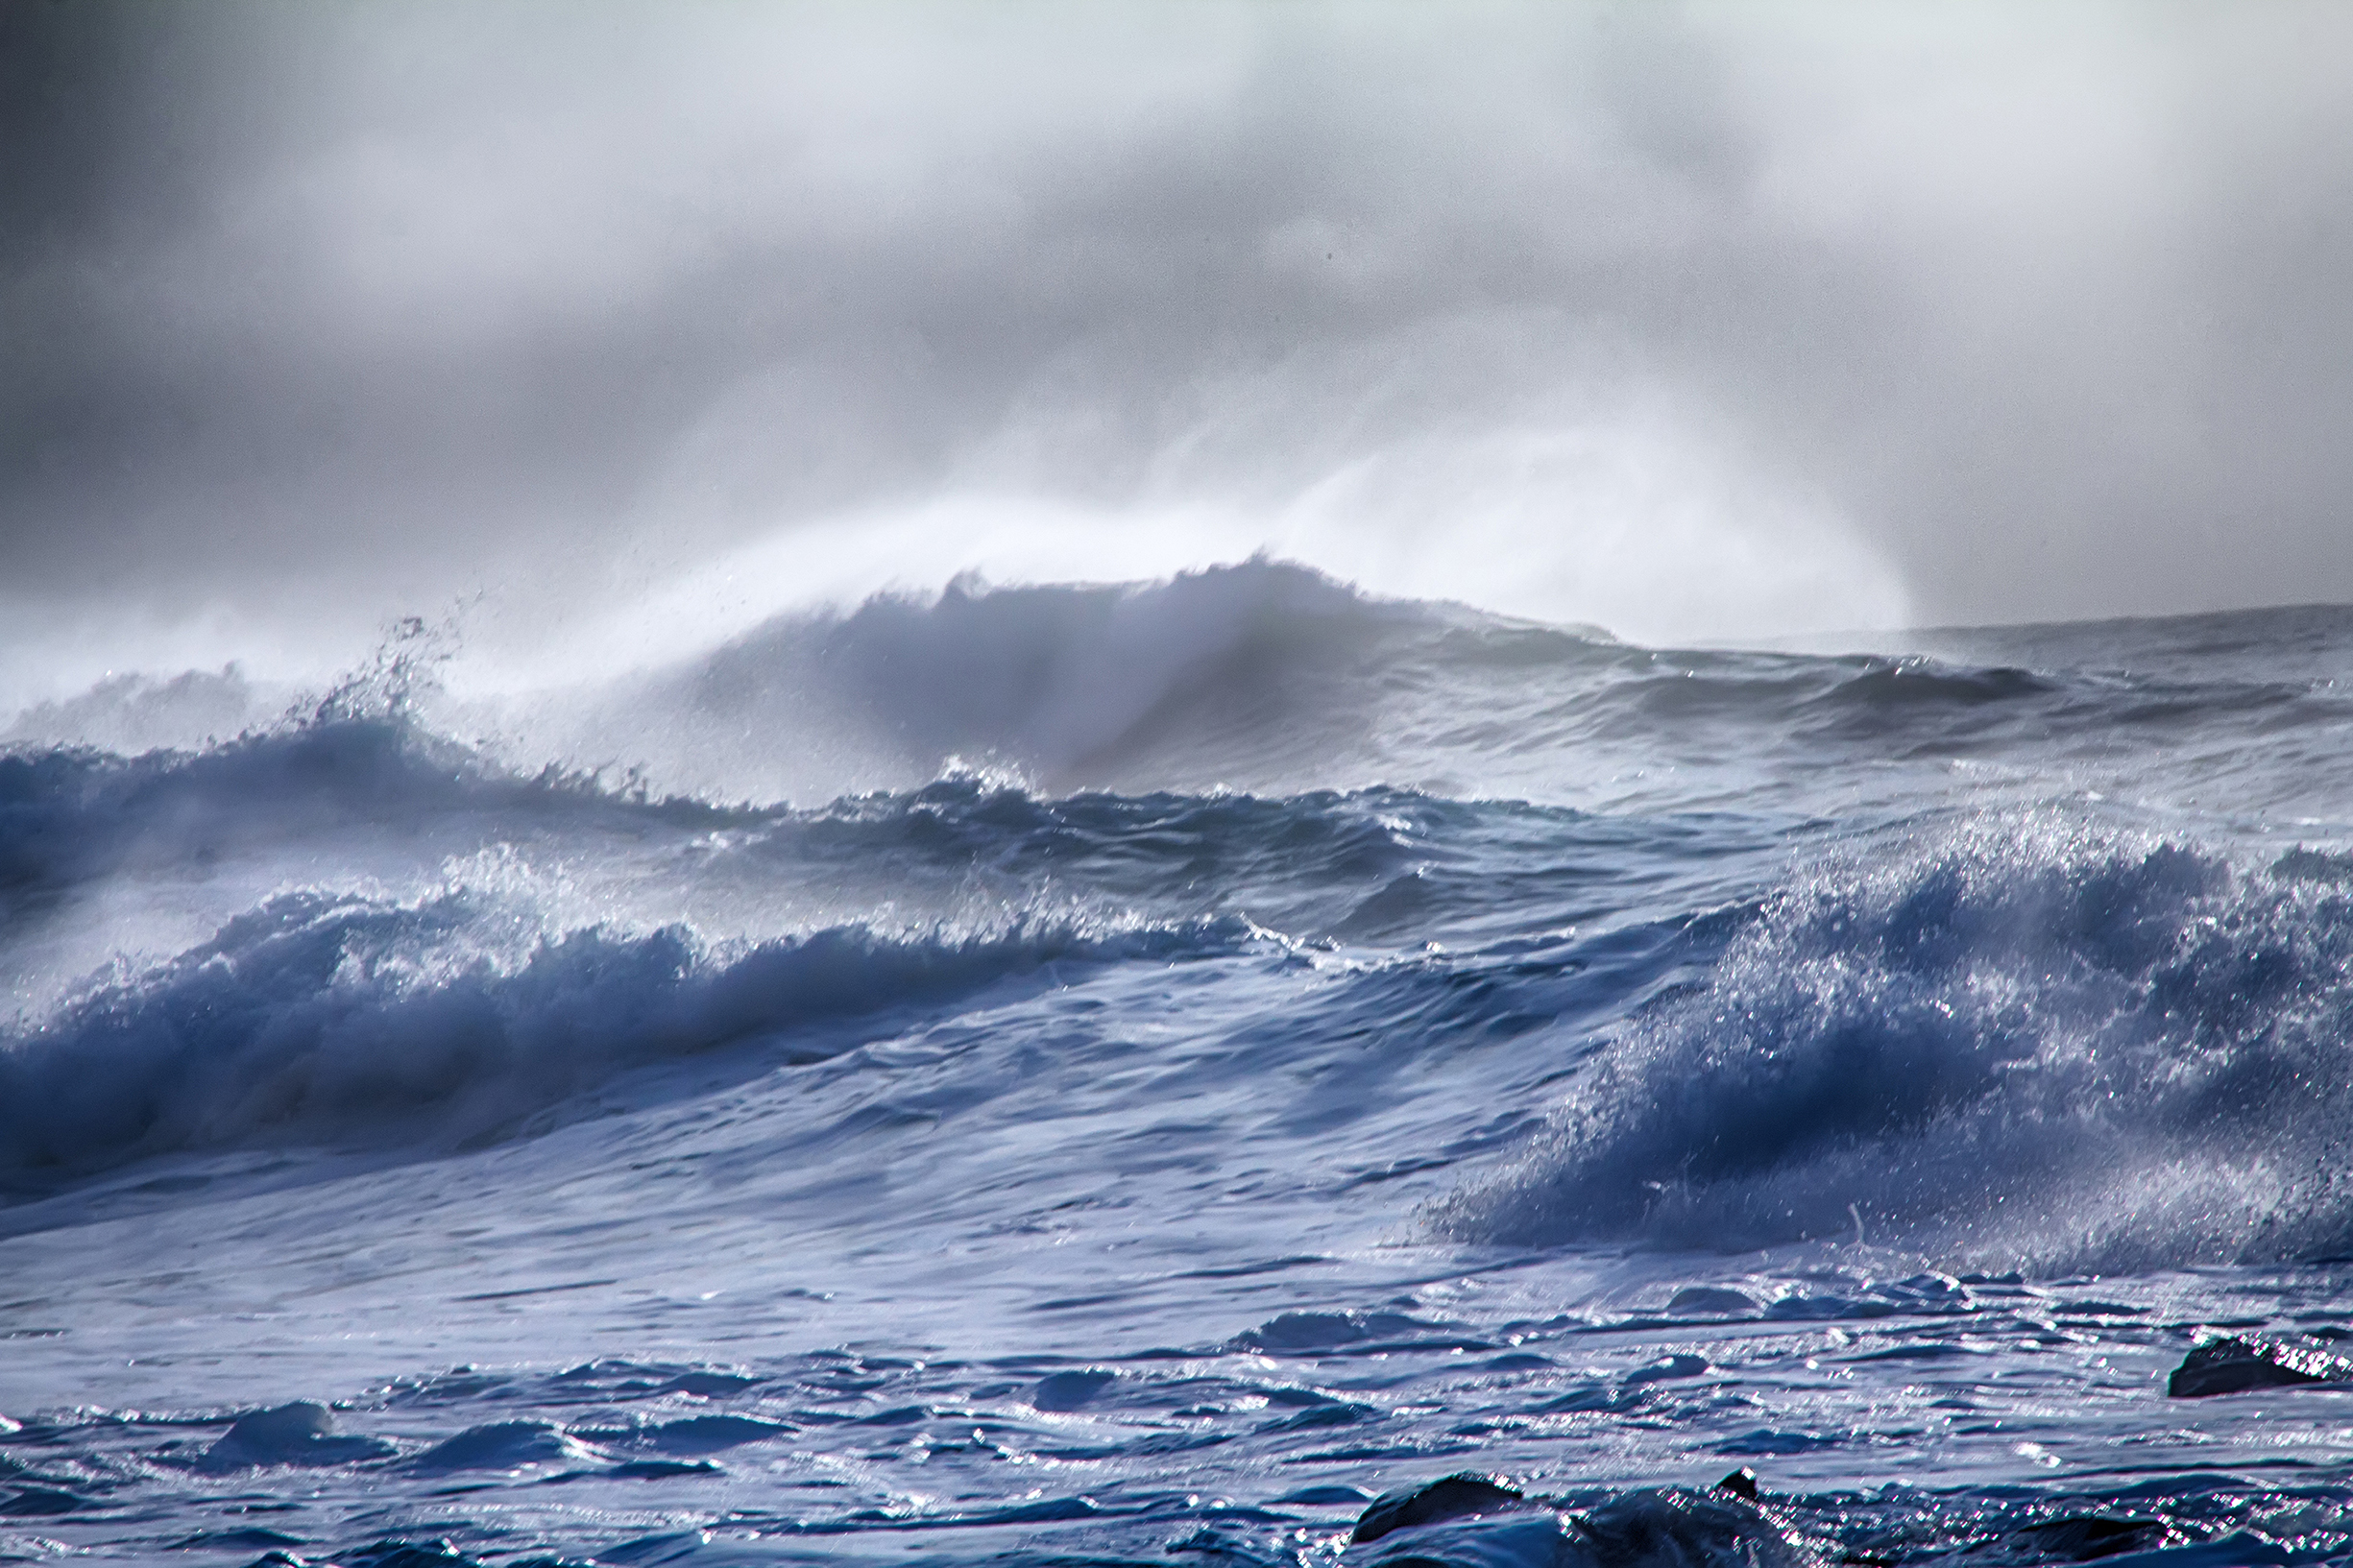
x,y
385,300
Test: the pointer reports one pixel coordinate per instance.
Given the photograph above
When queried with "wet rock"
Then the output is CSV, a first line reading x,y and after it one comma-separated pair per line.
x,y
1455,1497
1473,1521
301,1432
1677,1529
1741,1483
2236,1363
2084,1537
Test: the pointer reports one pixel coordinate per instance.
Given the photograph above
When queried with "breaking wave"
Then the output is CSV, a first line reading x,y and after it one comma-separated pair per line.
x,y
2027,1042
1263,676
68,814
2031,1043
323,1017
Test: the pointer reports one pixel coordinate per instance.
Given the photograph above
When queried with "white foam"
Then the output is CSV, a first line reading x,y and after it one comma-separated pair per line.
x,y
2022,1044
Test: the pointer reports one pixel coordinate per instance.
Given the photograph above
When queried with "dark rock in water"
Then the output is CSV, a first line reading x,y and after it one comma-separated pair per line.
x,y
1673,1528
1473,1521
1741,1483
1456,1497
2083,1537
301,1432
2237,1362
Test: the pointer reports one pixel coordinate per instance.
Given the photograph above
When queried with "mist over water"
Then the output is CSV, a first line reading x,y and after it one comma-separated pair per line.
x,y
1041,784
1697,323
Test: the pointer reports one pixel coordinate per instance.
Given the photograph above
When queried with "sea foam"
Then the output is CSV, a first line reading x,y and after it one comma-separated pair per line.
x,y
338,1016
2023,1042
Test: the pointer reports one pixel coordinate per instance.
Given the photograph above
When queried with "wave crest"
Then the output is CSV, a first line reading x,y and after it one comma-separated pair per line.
x,y
325,1017
69,813
2053,1047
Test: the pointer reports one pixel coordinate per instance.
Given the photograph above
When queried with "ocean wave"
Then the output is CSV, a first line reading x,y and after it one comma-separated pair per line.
x,y
338,1017
69,813
2031,1043
1235,672
1375,865
1263,677
1268,677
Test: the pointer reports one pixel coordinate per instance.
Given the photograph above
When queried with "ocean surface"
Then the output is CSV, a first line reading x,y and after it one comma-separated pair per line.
x,y
1091,1074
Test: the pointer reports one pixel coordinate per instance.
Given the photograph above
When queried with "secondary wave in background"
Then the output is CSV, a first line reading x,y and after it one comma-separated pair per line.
x,y
1270,678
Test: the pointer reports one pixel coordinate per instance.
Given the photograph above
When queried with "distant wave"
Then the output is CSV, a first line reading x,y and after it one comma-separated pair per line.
x,y
1263,677
1232,673
1249,673
385,797
68,813
1273,678
2056,1046
322,1017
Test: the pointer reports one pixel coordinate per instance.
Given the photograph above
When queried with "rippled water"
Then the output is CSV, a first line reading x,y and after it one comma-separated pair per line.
x,y
1100,1074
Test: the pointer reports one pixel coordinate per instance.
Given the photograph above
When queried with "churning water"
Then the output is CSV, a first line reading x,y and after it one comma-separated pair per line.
x,y
1073,1073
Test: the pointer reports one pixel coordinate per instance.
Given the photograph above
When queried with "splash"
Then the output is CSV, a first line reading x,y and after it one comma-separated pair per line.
x,y
2028,1043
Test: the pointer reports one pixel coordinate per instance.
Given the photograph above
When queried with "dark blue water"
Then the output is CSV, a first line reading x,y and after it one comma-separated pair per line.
x,y
1066,1075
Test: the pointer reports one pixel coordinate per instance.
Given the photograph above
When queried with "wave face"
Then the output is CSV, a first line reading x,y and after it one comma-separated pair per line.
x,y
318,1017
1241,672
1271,679
1082,1072
2034,1046
70,814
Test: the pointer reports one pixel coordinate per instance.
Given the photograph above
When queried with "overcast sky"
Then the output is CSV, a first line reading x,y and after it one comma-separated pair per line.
x,y
1701,323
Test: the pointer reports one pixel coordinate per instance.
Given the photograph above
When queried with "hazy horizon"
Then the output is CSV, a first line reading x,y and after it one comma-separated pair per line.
x,y
1705,324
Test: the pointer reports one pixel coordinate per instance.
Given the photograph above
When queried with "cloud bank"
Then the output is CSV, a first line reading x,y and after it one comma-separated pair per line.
x,y
1703,322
